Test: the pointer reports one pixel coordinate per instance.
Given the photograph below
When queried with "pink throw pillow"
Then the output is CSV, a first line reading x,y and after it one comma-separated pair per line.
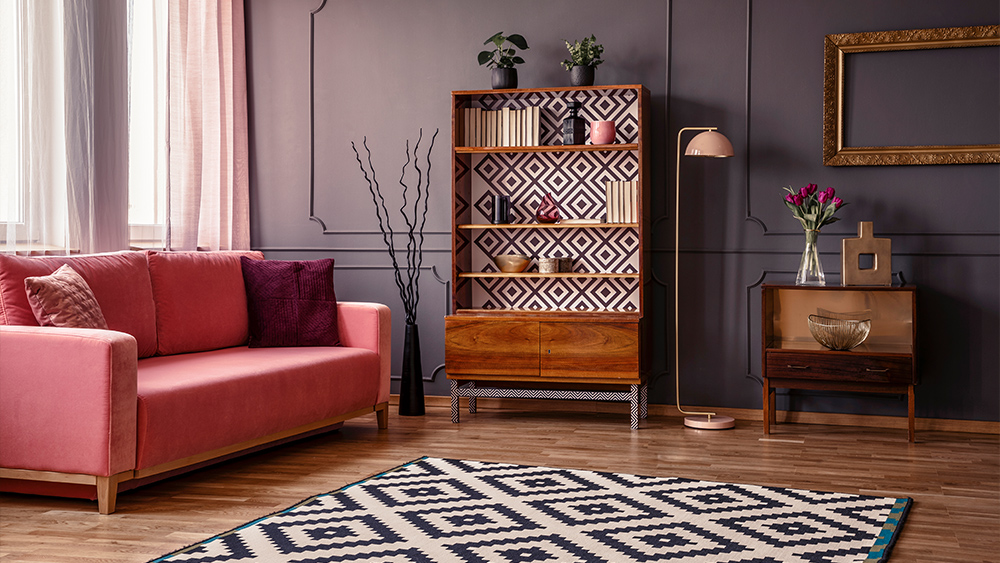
x,y
291,303
200,301
64,299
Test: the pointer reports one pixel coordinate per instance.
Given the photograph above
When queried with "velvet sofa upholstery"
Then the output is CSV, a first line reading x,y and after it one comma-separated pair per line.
x,y
171,384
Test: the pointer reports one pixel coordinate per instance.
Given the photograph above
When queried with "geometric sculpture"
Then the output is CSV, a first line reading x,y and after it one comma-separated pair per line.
x,y
874,251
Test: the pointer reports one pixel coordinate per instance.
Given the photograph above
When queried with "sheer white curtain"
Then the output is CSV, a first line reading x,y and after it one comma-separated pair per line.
x,y
208,201
64,117
63,111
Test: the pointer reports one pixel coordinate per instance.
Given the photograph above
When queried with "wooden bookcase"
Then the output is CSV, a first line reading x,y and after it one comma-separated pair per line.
x,y
886,362
575,335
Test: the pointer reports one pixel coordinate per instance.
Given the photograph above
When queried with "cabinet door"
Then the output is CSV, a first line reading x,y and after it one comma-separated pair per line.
x,y
589,350
485,347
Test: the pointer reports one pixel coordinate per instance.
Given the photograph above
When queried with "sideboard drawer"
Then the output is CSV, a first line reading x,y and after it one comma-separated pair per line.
x,y
873,369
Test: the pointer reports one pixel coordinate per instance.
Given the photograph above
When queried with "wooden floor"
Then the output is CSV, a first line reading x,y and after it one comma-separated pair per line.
x,y
953,478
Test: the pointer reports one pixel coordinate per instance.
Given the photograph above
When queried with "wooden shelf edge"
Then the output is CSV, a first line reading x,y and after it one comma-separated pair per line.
x,y
473,226
549,148
553,89
537,275
620,316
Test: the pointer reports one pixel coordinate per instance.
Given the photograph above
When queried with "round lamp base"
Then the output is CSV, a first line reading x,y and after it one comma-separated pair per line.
x,y
710,423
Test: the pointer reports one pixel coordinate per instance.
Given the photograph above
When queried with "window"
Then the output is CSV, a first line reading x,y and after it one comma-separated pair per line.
x,y
147,146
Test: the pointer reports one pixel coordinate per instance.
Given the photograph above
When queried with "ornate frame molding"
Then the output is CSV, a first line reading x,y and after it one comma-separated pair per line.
x,y
837,46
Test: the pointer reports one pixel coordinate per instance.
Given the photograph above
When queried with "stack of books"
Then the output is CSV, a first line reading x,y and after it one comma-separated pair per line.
x,y
622,201
501,128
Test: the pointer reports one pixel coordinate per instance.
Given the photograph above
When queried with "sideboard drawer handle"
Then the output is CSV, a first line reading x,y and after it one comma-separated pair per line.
x,y
790,366
877,370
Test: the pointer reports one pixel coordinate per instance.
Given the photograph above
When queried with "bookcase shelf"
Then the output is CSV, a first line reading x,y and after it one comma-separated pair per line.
x,y
549,226
530,330
549,148
553,275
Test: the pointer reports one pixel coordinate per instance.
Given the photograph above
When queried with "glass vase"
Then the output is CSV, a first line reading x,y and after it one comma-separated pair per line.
x,y
810,268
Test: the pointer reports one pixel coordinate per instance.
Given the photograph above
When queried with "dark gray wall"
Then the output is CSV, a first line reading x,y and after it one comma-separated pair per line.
x,y
384,69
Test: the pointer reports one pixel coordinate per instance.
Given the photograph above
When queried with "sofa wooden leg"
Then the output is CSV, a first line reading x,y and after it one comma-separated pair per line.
x,y
382,415
107,493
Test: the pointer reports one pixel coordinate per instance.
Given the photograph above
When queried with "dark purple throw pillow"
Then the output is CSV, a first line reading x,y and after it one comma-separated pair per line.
x,y
290,303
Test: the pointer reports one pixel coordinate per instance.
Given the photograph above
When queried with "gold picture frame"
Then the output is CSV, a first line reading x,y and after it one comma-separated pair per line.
x,y
835,49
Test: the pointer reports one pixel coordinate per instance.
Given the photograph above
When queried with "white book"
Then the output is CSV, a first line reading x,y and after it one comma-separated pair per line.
x,y
505,128
607,201
615,202
489,129
493,128
474,128
623,194
626,203
515,127
536,116
480,127
467,127
634,192
524,127
528,114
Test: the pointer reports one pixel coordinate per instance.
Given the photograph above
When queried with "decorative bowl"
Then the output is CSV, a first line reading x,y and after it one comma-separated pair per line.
x,y
511,263
839,334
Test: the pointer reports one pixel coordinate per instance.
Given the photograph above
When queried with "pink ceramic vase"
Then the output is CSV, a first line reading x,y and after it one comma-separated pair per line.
x,y
602,132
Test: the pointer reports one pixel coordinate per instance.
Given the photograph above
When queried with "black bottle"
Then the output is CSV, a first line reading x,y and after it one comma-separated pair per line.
x,y
573,126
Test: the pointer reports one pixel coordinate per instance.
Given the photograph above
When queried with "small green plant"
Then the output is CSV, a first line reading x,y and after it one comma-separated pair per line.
x,y
583,53
501,56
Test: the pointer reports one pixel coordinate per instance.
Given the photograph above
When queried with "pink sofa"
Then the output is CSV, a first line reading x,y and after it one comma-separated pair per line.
x,y
172,384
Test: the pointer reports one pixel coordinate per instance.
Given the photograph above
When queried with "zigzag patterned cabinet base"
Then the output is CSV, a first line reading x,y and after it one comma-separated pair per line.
x,y
531,332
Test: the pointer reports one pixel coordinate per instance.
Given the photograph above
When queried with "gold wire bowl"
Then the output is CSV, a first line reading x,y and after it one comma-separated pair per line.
x,y
839,334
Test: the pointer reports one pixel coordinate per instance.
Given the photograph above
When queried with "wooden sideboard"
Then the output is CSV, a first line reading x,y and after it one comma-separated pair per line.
x,y
886,362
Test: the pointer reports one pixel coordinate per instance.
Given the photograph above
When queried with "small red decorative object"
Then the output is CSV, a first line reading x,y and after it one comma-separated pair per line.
x,y
548,211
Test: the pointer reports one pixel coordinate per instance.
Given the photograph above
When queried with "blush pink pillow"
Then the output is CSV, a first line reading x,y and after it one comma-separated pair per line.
x,y
64,299
200,301
291,303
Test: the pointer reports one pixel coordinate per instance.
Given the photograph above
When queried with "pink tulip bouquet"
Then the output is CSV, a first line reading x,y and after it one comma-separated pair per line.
x,y
813,208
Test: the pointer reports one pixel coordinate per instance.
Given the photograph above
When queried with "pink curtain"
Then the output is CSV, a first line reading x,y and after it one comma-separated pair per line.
x,y
208,200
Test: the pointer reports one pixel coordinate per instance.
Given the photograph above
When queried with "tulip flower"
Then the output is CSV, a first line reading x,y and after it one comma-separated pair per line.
x,y
813,208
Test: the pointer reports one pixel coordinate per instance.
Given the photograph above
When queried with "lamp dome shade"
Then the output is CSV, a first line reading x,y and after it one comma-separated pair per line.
x,y
709,143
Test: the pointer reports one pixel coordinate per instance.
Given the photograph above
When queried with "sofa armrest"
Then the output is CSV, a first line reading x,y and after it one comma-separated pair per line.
x,y
67,400
368,325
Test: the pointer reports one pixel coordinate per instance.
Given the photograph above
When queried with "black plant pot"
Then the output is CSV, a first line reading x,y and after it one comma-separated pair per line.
x,y
411,388
504,78
581,75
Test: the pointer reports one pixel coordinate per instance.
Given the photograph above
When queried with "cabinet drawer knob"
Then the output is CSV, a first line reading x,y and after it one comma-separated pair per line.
x,y
790,366
877,370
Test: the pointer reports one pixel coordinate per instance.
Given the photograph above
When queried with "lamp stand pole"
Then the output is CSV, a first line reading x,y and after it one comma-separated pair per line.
x,y
702,420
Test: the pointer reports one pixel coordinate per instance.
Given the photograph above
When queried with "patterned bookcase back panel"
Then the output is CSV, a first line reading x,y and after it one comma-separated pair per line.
x,y
576,181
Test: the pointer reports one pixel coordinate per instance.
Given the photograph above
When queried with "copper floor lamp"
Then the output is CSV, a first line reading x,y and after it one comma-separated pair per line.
x,y
714,144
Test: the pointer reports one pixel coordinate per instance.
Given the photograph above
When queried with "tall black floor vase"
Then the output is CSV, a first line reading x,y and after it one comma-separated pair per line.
x,y
411,388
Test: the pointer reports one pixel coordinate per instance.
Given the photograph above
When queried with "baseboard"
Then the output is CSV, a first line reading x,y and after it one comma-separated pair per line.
x,y
753,415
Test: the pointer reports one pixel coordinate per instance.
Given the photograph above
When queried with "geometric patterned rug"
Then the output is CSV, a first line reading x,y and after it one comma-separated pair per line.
x,y
445,510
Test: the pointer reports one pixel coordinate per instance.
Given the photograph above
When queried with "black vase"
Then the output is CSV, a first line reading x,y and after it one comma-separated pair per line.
x,y
581,75
504,78
411,388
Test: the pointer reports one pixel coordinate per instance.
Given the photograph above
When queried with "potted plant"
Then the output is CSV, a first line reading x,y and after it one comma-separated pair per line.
x,y
503,57
585,55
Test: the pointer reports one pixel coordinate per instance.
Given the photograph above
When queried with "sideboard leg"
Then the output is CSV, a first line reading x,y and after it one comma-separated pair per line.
x,y
634,406
454,401
643,401
472,399
767,406
911,429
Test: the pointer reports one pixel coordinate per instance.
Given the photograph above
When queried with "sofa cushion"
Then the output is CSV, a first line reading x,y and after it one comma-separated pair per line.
x,y
119,280
291,303
64,299
200,300
194,403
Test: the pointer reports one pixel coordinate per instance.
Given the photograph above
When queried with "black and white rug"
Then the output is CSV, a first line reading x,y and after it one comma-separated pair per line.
x,y
446,510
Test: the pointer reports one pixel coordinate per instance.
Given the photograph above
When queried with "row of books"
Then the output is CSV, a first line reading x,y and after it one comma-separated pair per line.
x,y
622,201
505,127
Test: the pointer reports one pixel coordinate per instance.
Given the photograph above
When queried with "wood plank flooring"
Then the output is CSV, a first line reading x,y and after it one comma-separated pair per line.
x,y
954,478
